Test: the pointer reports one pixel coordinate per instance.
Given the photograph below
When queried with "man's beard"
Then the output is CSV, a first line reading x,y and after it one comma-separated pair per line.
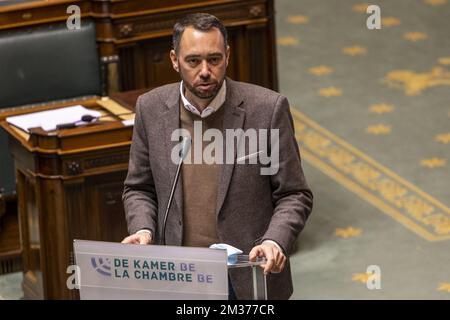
x,y
203,94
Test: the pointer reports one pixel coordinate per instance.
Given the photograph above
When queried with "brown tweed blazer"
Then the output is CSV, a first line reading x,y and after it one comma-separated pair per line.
x,y
250,207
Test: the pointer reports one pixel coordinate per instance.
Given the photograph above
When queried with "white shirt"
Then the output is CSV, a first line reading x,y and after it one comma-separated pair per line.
x,y
212,107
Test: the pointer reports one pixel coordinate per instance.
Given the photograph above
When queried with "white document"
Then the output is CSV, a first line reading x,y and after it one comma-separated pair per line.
x,y
48,120
129,122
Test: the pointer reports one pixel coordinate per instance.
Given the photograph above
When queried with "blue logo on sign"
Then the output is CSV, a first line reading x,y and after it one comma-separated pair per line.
x,y
102,266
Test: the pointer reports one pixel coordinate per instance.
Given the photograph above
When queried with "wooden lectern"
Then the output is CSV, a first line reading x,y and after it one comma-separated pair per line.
x,y
69,186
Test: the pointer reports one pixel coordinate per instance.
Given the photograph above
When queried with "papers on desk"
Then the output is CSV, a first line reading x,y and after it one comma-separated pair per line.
x,y
48,120
129,122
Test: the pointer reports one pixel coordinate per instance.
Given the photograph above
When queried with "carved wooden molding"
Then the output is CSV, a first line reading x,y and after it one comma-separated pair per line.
x,y
126,30
149,25
106,161
256,11
74,168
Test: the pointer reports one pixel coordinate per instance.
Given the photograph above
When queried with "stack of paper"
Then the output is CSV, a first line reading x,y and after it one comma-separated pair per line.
x,y
48,120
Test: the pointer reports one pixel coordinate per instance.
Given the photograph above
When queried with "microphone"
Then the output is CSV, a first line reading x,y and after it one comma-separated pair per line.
x,y
87,118
185,147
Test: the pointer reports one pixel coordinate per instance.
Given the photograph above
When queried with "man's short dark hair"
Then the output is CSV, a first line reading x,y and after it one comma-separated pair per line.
x,y
200,21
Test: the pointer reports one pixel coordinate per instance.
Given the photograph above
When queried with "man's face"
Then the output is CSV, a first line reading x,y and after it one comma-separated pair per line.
x,y
201,62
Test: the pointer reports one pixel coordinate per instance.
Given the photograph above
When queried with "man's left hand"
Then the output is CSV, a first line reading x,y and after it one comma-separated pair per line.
x,y
276,260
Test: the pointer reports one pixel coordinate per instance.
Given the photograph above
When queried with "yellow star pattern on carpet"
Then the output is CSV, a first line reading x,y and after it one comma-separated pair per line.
x,y
444,286
298,19
361,277
320,70
443,228
435,2
379,129
330,92
443,137
360,7
415,36
415,82
381,108
390,22
445,61
354,50
287,41
349,232
433,163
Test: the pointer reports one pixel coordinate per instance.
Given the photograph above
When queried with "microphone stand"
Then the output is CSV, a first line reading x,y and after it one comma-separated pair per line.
x,y
183,152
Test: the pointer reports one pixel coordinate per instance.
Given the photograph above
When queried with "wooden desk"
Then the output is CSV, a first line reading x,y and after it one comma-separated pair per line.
x,y
134,36
69,186
128,99
10,249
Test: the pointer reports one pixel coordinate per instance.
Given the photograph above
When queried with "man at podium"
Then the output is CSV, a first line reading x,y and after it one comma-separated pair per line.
x,y
241,182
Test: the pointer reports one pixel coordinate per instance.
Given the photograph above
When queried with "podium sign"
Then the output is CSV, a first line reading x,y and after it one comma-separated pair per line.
x,y
123,271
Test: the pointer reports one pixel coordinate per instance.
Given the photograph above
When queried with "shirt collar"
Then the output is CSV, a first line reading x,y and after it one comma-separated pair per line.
x,y
212,107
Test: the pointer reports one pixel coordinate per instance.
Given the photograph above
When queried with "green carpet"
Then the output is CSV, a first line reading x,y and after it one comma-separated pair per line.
x,y
372,113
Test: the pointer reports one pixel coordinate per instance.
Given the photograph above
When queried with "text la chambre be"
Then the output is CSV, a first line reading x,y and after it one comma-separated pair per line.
x,y
158,270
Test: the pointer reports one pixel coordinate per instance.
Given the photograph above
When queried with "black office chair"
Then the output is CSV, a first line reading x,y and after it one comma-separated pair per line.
x,y
43,64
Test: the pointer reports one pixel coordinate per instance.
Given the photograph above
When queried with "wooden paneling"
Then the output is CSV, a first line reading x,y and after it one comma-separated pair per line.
x,y
32,274
134,36
10,250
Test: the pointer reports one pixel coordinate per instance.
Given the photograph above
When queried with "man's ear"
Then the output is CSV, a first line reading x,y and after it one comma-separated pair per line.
x,y
228,54
174,59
